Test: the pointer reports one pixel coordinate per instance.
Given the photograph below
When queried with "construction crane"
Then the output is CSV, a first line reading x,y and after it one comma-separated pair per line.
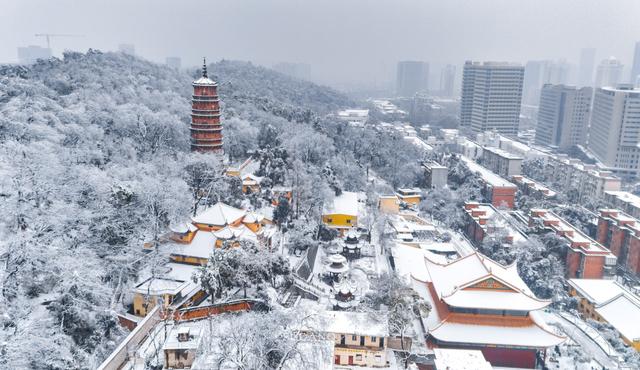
x,y
48,36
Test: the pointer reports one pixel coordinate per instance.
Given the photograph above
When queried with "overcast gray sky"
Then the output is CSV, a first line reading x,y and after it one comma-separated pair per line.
x,y
343,40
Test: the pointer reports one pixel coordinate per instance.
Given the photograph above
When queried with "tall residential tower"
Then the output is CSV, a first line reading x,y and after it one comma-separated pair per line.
x,y
614,135
491,97
412,77
563,116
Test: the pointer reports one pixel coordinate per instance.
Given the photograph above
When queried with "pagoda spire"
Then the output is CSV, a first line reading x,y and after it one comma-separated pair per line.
x,y
204,67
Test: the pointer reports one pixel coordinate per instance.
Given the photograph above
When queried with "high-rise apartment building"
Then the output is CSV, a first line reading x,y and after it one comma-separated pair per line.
x,y
614,134
491,97
587,63
609,73
635,68
447,80
412,77
563,116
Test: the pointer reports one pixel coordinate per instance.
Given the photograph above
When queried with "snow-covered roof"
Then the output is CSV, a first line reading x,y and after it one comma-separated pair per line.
x,y
344,204
160,286
486,175
183,228
623,313
358,323
252,217
205,81
219,214
192,329
460,359
201,245
615,303
456,284
521,336
625,197
241,232
179,271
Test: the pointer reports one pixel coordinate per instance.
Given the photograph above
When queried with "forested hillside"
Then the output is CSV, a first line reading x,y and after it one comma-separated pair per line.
x,y
94,156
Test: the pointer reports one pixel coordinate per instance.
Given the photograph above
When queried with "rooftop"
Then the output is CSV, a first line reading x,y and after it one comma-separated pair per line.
x,y
345,204
460,359
488,176
343,322
219,214
501,153
614,303
625,197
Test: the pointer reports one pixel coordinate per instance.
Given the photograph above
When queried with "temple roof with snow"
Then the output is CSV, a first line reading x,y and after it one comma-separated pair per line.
x,y
479,302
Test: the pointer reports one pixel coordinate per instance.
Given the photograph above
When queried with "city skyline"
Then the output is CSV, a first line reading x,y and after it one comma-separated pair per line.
x,y
348,50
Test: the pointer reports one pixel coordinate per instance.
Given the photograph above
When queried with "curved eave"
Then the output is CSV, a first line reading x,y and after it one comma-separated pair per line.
x,y
530,304
532,336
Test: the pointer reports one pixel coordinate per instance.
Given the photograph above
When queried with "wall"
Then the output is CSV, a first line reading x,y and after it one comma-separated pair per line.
x,y
340,220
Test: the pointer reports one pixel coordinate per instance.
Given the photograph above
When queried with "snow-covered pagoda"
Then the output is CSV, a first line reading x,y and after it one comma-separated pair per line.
x,y
481,304
345,294
337,266
206,129
351,247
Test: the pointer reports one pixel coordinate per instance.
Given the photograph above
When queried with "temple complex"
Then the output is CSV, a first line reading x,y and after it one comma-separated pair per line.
x,y
479,304
206,129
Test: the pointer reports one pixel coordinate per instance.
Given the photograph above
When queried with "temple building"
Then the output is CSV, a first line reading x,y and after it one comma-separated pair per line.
x,y
216,227
206,129
479,304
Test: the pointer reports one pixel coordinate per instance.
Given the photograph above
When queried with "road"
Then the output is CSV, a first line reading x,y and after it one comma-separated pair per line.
x,y
583,340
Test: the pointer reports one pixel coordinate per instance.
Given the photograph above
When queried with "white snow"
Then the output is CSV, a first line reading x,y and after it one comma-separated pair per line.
x,y
460,359
488,176
344,204
219,214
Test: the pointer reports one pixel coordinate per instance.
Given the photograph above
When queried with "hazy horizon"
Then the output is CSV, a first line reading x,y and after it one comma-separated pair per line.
x,y
344,42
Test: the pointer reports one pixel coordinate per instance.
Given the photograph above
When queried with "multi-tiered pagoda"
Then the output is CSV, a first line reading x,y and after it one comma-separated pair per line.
x,y
206,129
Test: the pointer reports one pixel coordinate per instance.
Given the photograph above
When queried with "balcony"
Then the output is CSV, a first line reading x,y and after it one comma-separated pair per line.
x,y
205,98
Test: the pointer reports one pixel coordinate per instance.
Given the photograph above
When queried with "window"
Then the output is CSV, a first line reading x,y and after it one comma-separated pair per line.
x,y
348,221
373,339
329,220
358,357
354,337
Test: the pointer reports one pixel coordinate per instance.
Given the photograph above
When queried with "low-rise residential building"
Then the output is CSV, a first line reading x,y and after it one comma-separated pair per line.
x,y
360,338
483,219
625,201
533,188
586,258
501,162
610,302
354,117
496,190
342,213
621,234
411,196
181,346
435,175
389,204
479,304
162,290
589,181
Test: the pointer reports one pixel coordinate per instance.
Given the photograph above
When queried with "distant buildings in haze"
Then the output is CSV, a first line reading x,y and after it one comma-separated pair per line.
x,y
174,62
635,67
411,77
301,71
129,49
563,116
447,80
491,97
30,54
587,63
609,72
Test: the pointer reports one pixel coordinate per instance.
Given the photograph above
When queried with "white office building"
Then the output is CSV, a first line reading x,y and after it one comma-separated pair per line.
x,y
563,116
614,135
609,73
491,97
